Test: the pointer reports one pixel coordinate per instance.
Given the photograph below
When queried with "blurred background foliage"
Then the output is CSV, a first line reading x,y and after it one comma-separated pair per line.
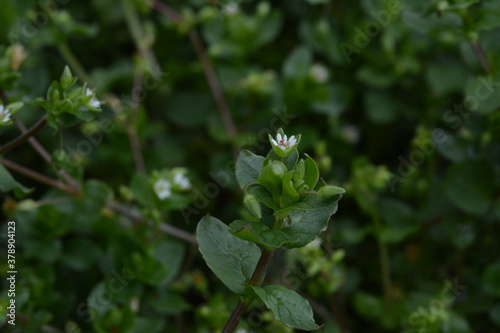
x,y
398,101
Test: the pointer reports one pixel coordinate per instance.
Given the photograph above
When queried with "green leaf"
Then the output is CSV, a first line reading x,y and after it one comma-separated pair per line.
x,y
381,107
67,79
141,187
289,194
287,307
170,254
312,173
446,77
233,260
263,195
167,302
248,167
491,279
330,191
260,233
271,177
268,29
336,102
470,187
368,305
145,324
312,202
8,183
481,95
312,218
297,63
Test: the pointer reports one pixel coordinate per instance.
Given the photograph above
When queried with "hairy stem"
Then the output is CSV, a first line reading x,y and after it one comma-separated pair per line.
x,y
23,137
255,280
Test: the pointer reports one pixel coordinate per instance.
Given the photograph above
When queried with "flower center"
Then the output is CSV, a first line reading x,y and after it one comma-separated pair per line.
x,y
284,143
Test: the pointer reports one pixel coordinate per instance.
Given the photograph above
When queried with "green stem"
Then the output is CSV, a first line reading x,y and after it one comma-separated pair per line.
x,y
255,280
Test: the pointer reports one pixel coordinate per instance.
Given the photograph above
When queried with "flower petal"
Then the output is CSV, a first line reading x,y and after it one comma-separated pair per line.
x,y
274,142
278,136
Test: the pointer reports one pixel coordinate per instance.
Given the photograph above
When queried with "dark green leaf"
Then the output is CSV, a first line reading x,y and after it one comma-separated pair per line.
x,y
312,173
470,187
287,306
297,63
248,167
263,195
260,233
308,223
233,260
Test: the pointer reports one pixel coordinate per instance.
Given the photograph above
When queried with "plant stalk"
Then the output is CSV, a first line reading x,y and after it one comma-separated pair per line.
x,y
23,137
255,280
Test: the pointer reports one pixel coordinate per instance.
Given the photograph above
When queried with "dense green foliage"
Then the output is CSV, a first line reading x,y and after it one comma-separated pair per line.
x,y
397,101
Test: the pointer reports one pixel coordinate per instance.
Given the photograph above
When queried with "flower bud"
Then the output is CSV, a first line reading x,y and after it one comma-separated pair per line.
x,y
67,79
330,191
271,176
252,204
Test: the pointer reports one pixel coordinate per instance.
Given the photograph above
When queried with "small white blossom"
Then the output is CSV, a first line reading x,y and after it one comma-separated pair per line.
x,y
351,133
319,73
182,181
163,188
283,142
4,114
94,102
231,9
283,145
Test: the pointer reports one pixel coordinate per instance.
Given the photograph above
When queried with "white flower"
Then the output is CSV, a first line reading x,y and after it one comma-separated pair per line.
x,y
284,146
231,9
182,181
4,114
94,102
351,133
162,188
319,73
283,143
